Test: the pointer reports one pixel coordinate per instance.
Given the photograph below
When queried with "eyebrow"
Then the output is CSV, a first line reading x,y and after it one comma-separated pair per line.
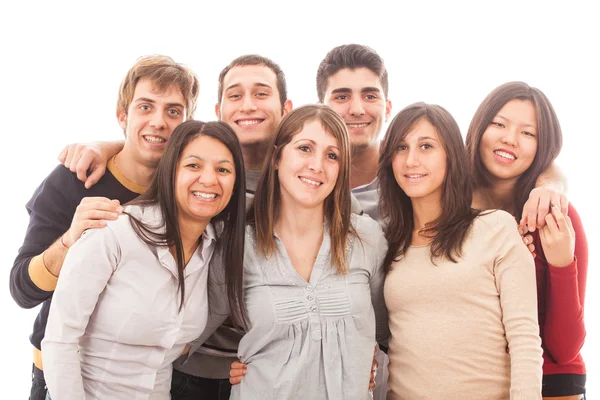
x,y
149,100
313,142
259,84
362,90
506,119
202,159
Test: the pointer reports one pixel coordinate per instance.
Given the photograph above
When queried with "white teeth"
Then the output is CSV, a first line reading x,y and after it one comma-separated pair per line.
x,y
506,155
309,181
205,195
154,139
249,122
357,125
414,176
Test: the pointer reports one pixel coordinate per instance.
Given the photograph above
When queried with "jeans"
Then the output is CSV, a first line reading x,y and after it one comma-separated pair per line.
x,y
38,385
189,387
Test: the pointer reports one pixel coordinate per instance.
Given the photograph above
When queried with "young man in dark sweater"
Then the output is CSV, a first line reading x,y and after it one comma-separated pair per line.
x,y
156,95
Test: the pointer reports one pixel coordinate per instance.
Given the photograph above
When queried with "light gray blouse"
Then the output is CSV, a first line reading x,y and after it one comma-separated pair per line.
x,y
313,340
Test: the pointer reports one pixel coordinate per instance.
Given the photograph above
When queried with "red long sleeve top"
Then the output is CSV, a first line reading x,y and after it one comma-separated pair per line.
x,y
561,297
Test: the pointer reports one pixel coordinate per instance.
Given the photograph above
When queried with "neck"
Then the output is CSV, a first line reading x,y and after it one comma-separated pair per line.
x,y
254,155
426,210
136,172
191,236
499,196
299,221
364,165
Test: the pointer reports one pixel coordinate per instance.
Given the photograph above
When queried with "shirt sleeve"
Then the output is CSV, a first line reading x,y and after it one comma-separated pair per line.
x,y
564,328
514,271
50,213
85,273
376,283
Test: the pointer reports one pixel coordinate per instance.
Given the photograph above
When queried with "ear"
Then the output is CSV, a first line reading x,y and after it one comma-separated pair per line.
x,y
287,106
388,110
122,118
218,111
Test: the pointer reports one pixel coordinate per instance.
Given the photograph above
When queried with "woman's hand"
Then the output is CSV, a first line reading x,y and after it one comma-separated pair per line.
x,y
558,238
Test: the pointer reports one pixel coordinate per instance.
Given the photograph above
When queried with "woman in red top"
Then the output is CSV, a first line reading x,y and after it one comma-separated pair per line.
x,y
513,137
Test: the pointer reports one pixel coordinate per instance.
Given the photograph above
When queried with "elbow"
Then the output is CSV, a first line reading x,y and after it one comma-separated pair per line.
x,y
565,352
20,297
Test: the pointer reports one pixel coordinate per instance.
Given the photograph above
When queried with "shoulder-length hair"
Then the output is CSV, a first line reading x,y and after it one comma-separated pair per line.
x,y
265,209
230,243
449,230
549,135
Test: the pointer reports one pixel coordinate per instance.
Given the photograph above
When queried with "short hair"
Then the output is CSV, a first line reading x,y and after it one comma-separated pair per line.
x,y
163,72
549,136
350,56
255,59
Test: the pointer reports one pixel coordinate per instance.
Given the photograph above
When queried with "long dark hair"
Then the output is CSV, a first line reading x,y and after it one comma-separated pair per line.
x,y
230,243
450,229
265,208
548,145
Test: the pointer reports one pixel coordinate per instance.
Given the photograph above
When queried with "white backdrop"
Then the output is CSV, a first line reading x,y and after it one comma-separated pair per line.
x,y
62,63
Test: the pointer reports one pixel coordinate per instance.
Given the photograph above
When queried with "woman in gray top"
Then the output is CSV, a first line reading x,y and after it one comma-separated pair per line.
x,y
313,281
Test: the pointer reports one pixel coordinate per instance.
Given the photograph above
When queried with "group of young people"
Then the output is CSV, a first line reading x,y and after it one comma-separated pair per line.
x,y
279,249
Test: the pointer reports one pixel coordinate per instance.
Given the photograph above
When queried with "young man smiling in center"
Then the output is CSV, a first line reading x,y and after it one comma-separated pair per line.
x,y
353,81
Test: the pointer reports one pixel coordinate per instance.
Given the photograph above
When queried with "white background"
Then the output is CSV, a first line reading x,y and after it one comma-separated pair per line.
x,y
61,65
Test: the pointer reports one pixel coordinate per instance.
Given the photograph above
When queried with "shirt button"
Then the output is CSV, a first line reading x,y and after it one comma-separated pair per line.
x,y
310,297
313,308
309,287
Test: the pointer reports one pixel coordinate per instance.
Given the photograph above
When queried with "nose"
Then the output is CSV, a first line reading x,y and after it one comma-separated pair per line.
x,y
248,104
356,106
510,137
316,164
158,120
412,159
208,177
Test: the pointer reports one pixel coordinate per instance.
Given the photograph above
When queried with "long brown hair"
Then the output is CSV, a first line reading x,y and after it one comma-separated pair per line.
x,y
264,210
450,229
548,145
230,243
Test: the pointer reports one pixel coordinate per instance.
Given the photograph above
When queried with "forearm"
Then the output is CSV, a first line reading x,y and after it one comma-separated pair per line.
x,y
33,279
109,149
552,178
62,369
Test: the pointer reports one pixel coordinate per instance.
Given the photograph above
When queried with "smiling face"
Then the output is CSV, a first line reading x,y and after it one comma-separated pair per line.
x,y
150,120
308,167
204,181
509,144
419,163
250,104
358,97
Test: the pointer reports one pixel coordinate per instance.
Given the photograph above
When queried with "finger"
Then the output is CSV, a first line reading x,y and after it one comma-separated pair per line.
x,y
570,225
527,239
235,381
531,248
238,365
529,213
97,203
543,232
560,218
97,215
95,176
564,204
543,210
235,373
69,156
552,225
63,155
83,165
522,228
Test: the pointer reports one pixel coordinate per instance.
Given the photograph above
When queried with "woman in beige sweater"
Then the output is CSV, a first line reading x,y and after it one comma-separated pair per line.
x,y
460,285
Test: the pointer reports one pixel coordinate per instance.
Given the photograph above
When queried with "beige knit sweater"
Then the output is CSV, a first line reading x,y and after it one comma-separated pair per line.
x,y
467,330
